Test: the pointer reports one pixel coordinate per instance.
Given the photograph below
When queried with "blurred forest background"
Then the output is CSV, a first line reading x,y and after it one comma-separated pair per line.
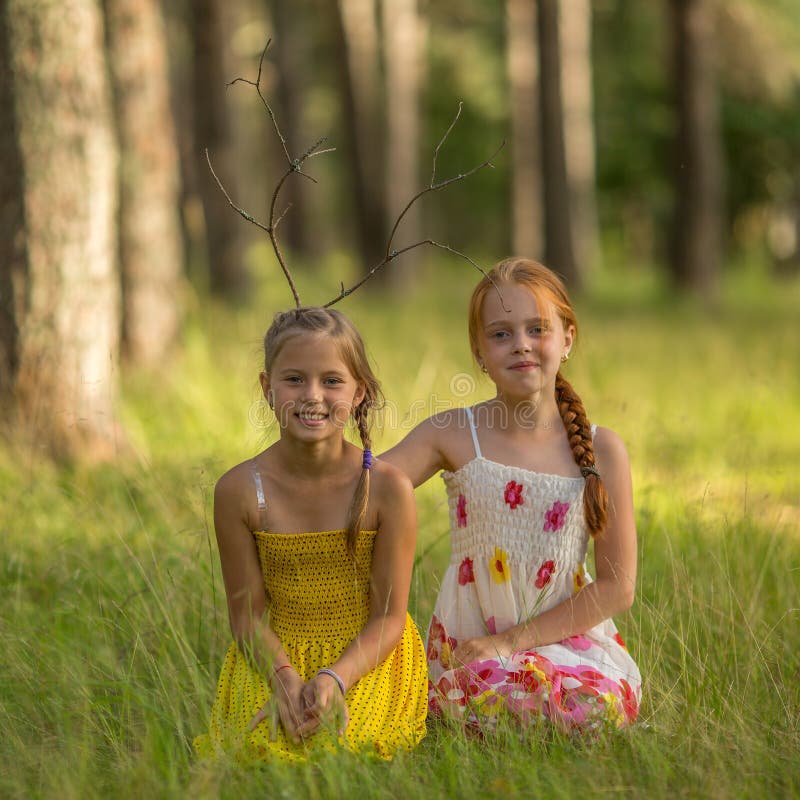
x,y
645,141
652,157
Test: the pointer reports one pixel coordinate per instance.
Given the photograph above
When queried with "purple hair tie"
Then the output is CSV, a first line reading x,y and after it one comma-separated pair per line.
x,y
367,462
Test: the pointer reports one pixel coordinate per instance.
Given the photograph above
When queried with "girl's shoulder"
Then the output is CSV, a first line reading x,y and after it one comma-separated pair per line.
x,y
609,450
388,483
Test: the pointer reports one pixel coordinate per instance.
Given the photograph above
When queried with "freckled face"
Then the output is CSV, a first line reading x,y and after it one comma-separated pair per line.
x,y
521,348
311,388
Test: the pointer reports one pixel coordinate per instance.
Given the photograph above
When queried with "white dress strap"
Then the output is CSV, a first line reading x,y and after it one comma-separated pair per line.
x,y
260,498
594,431
468,409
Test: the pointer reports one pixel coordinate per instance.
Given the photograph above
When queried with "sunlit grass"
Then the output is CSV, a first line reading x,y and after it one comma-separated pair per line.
x,y
112,613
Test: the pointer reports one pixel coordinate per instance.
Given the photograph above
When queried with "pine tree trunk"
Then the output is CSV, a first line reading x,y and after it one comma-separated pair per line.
x,y
363,145
213,131
576,80
559,250
150,240
291,54
61,320
697,242
526,172
402,48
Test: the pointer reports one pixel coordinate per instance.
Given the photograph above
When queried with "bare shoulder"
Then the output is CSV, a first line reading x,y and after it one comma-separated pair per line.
x,y
610,451
389,484
233,490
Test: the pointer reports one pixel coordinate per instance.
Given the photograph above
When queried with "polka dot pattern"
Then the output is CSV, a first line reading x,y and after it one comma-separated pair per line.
x,y
318,603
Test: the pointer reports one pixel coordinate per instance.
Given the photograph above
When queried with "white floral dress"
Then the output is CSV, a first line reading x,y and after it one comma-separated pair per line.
x,y
518,548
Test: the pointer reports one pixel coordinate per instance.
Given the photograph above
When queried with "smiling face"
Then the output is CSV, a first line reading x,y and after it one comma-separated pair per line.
x,y
311,388
520,341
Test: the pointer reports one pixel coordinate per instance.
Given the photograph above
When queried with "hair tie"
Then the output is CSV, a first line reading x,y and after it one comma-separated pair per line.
x,y
367,462
591,470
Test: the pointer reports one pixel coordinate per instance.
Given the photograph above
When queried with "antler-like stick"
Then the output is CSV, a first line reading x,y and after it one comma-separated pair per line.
x,y
295,166
432,186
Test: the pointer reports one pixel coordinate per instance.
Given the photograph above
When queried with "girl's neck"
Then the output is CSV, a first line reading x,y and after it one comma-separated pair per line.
x,y
310,459
537,412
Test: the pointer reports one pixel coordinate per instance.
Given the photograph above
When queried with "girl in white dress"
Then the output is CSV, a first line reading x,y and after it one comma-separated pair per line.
x,y
520,629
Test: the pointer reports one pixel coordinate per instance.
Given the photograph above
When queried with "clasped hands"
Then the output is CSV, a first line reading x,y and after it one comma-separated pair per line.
x,y
302,707
479,649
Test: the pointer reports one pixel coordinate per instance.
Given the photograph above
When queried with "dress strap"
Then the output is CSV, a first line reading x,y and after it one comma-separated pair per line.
x,y
468,409
260,499
594,431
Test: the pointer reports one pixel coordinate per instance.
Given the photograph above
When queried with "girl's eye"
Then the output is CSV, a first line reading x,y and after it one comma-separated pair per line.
x,y
293,379
332,381
499,334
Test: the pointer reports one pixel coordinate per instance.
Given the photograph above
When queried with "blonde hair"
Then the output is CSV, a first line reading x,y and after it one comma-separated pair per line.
x,y
548,288
332,323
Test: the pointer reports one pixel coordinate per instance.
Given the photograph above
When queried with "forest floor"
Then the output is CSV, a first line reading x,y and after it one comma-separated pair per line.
x,y
112,612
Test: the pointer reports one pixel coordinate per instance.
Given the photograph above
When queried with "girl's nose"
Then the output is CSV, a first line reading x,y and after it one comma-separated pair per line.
x,y
522,345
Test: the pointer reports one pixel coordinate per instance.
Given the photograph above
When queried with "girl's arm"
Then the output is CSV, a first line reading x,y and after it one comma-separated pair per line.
x,y
247,602
392,562
610,593
418,455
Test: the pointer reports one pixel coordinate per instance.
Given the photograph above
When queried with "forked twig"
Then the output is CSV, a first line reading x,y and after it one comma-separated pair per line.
x,y
432,186
295,167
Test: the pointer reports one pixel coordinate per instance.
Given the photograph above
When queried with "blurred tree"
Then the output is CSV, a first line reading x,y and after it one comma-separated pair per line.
x,y
575,26
402,53
150,242
59,332
290,52
212,130
526,173
697,239
356,53
559,248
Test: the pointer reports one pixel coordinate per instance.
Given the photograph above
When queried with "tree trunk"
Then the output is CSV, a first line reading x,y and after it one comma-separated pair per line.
x,y
150,241
58,187
213,131
402,45
559,250
526,173
363,146
291,56
576,77
697,239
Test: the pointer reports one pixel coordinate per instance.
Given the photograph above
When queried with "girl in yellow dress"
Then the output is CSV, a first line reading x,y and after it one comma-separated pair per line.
x,y
317,545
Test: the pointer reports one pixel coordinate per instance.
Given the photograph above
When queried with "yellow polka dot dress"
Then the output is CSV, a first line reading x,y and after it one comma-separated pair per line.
x,y
318,603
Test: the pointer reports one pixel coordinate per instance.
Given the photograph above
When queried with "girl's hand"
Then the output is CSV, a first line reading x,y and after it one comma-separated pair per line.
x,y
479,649
323,703
285,705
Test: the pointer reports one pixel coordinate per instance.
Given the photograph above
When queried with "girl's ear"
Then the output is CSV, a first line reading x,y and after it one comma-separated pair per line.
x,y
263,379
358,397
569,337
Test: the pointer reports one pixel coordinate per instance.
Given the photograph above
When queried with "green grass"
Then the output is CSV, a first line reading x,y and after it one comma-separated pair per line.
x,y
112,612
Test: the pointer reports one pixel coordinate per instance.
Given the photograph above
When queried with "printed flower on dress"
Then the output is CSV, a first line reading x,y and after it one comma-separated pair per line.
x,y
498,566
555,515
465,572
618,640
577,642
461,511
546,571
513,494
491,625
579,578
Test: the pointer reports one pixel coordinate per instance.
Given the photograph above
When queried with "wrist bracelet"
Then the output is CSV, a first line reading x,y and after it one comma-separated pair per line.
x,y
333,675
284,666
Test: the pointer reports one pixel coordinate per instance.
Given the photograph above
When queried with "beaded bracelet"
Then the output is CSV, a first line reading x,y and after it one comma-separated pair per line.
x,y
333,675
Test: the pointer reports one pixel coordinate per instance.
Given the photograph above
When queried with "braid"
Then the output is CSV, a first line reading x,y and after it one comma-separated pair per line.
x,y
579,433
358,505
